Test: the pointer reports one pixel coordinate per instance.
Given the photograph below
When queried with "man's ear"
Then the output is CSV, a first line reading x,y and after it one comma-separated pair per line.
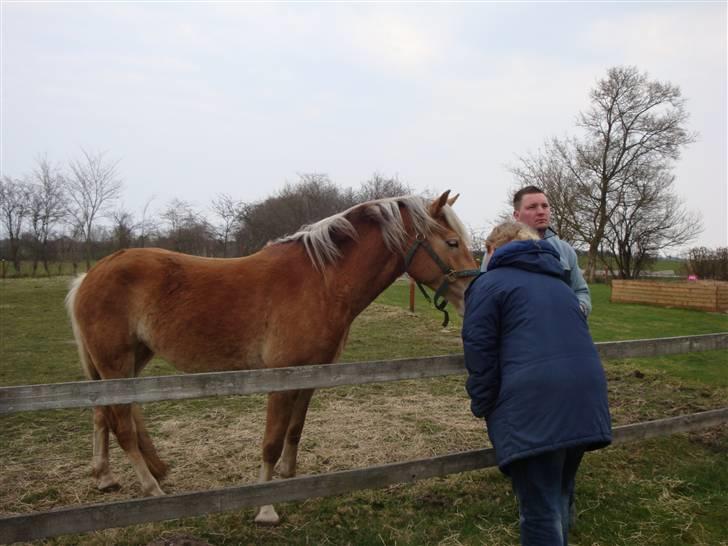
x,y
516,215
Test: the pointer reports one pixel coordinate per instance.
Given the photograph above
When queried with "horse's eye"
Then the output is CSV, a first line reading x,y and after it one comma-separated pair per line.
x,y
452,243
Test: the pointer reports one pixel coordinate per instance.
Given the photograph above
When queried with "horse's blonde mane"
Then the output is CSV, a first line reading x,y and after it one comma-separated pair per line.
x,y
318,238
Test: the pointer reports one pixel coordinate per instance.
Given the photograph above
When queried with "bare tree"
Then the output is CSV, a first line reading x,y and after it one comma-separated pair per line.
x,y
707,263
14,207
67,247
147,225
379,187
314,197
93,187
228,212
648,219
632,126
188,232
477,238
47,207
123,229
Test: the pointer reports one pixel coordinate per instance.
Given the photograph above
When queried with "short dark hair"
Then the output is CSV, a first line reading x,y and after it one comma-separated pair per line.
x,y
518,196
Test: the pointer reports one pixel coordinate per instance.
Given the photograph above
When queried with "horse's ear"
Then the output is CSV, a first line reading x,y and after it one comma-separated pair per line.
x,y
438,203
452,200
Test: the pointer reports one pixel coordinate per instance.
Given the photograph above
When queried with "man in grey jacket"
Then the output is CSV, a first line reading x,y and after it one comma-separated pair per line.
x,y
531,207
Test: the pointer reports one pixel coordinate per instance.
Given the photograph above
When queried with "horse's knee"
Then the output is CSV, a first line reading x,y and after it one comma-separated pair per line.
x,y
100,420
123,426
272,450
294,434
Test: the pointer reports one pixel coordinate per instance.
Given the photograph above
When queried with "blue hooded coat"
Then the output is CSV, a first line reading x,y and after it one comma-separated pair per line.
x,y
534,372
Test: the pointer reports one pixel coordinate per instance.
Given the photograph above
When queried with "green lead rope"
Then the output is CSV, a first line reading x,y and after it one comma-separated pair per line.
x,y
439,305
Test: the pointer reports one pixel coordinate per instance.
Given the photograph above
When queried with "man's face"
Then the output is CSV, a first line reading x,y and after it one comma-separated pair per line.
x,y
534,211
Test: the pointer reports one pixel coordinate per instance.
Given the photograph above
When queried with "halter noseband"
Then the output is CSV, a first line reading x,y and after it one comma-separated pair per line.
x,y
451,275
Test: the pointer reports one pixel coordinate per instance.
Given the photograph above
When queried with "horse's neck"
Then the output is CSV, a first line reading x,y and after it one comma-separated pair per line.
x,y
367,268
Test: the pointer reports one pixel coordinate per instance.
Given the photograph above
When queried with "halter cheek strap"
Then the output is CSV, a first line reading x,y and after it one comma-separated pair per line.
x,y
451,275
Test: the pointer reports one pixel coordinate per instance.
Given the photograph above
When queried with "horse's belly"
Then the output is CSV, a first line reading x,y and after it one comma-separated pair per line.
x,y
210,357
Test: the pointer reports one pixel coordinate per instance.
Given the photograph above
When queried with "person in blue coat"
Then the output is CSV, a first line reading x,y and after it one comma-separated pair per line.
x,y
535,375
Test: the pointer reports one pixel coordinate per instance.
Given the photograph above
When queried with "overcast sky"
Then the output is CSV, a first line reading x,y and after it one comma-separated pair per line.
x,y
199,99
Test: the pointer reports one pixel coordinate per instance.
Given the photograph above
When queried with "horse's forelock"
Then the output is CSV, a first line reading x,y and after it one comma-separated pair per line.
x,y
456,224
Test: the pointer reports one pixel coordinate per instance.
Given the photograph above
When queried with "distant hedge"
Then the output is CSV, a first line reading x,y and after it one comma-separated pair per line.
x,y
709,264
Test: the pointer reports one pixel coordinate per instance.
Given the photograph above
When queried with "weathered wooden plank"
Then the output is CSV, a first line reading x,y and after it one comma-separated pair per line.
x,y
670,425
702,295
181,387
186,386
708,296
662,346
123,513
678,296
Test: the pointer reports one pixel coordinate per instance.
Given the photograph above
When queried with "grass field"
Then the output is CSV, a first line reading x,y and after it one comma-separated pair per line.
x,y
670,491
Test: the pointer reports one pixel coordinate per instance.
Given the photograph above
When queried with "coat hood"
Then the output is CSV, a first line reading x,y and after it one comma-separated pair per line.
x,y
536,256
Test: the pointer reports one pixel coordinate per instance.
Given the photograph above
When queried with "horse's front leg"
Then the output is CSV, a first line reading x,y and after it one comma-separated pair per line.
x,y
280,409
293,434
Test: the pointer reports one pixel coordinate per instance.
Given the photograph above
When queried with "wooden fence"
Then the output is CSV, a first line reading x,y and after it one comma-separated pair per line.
x,y
702,295
85,518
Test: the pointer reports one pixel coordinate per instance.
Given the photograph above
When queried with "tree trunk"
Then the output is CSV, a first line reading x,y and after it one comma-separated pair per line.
x,y
15,255
88,254
591,263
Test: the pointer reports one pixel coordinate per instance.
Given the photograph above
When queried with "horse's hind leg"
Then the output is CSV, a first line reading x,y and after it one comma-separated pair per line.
x,y
293,434
117,359
142,355
280,408
124,425
105,480
156,466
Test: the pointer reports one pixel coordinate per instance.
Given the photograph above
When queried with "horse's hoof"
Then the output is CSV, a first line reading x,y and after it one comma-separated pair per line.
x,y
267,516
107,485
154,491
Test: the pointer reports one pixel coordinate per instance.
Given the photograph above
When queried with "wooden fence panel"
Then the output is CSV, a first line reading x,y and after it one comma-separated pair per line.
x,y
123,513
180,387
702,295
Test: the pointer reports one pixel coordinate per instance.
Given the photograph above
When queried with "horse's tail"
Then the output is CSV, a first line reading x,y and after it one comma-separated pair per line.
x,y
86,363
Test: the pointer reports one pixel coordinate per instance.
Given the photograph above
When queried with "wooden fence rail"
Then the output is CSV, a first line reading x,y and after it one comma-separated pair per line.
x,y
122,513
704,295
131,512
180,387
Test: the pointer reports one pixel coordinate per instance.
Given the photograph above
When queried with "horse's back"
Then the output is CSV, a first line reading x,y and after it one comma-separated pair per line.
x,y
205,314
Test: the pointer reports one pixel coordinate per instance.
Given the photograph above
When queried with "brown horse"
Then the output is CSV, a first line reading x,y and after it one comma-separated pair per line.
x,y
290,304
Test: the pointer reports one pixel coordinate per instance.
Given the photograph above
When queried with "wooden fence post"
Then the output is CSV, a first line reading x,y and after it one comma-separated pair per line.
x,y
411,295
